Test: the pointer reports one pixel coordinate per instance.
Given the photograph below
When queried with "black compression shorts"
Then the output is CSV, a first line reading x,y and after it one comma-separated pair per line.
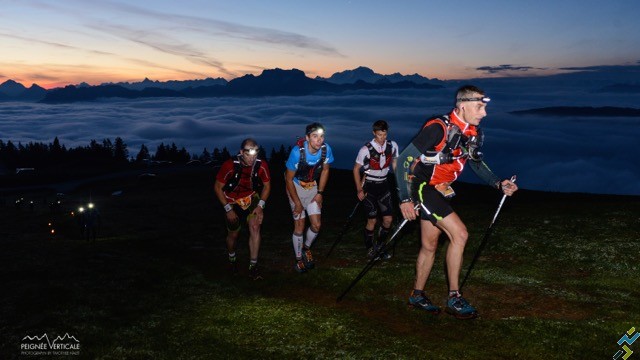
x,y
378,200
434,205
243,214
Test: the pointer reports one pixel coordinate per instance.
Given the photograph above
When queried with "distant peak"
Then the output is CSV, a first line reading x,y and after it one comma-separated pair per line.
x,y
10,82
282,71
12,88
363,69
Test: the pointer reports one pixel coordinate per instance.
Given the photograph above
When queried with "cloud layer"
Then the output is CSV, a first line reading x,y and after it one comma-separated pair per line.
x,y
568,154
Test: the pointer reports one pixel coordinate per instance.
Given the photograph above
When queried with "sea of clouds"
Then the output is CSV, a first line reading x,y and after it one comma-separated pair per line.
x,y
563,154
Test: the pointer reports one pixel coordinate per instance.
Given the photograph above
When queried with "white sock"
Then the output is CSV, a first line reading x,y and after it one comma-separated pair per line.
x,y
297,245
311,236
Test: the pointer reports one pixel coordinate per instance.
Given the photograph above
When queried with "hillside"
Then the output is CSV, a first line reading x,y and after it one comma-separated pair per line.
x,y
154,284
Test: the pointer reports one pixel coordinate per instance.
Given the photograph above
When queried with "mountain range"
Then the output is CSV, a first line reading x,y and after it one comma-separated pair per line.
x,y
279,82
176,85
365,74
274,82
11,90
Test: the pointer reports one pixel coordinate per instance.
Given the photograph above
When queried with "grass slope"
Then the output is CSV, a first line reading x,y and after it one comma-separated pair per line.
x,y
558,279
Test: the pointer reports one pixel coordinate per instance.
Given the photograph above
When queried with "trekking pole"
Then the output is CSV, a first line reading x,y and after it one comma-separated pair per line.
x,y
375,257
485,239
344,227
346,224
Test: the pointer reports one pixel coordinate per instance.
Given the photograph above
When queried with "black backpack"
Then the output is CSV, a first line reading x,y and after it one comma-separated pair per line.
x,y
374,155
256,182
305,171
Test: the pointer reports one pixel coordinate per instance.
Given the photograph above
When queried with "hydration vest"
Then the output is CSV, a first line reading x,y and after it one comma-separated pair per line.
x,y
373,162
234,181
306,172
450,143
452,134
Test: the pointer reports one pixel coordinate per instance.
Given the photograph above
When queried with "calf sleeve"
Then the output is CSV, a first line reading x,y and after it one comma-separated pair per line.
x,y
297,245
368,238
311,237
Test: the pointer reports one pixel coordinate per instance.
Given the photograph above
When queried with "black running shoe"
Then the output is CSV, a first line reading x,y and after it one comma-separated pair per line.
x,y
233,267
254,273
299,266
307,257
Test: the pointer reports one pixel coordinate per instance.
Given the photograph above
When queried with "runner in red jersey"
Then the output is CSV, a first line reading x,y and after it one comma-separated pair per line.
x,y
243,186
431,163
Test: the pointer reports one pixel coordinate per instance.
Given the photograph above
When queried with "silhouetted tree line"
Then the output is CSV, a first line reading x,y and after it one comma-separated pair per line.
x,y
278,158
108,155
54,155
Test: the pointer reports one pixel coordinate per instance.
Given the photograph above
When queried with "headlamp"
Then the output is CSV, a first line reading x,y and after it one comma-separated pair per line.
x,y
90,205
484,99
251,152
319,130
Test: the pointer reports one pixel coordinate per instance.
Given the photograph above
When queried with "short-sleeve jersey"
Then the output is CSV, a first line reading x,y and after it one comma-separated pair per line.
x,y
363,159
245,186
312,159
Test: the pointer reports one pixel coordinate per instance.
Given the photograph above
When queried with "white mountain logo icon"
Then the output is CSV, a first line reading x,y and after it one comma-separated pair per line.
x,y
66,338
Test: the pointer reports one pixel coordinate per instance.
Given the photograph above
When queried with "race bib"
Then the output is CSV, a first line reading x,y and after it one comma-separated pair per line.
x,y
307,185
244,202
446,190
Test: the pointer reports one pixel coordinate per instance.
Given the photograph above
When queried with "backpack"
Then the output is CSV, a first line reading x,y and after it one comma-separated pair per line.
x,y
452,134
306,172
234,181
374,157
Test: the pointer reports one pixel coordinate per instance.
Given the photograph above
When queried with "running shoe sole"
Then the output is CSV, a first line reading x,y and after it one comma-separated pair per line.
x,y
418,307
255,275
435,310
457,315
300,270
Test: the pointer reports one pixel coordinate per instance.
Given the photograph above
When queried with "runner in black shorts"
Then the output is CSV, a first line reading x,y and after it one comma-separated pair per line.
x,y
376,158
432,161
242,186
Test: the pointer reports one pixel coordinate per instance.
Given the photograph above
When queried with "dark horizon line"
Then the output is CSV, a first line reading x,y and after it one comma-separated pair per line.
x,y
561,71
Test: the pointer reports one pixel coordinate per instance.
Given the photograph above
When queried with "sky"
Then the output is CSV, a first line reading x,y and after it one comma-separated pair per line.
x,y
55,43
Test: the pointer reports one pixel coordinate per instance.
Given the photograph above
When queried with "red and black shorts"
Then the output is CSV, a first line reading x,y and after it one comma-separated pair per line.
x,y
434,206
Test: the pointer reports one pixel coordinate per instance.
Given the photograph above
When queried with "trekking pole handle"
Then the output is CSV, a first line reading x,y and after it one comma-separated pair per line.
x,y
504,197
513,178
